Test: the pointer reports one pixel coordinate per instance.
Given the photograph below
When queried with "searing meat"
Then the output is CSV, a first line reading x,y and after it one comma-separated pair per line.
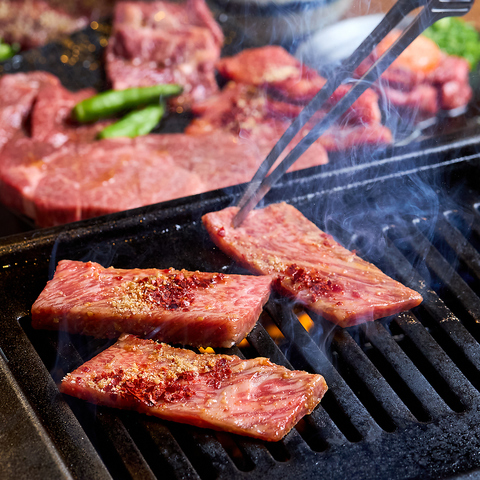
x,y
191,308
309,265
249,397
165,42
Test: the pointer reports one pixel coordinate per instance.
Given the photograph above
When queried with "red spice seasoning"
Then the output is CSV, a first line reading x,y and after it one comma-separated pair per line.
x,y
221,371
176,291
168,386
317,284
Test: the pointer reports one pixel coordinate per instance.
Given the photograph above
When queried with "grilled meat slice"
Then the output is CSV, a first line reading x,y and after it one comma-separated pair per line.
x,y
422,80
242,111
273,68
309,265
250,397
194,308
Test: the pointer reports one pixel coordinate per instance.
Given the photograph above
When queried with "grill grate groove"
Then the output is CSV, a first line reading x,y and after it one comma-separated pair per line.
x,y
166,454
368,384
456,390
340,402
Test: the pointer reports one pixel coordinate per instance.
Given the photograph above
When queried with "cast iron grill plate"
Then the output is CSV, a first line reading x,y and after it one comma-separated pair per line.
x,y
404,392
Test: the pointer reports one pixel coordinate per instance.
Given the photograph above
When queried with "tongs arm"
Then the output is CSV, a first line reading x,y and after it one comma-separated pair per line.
x,y
432,11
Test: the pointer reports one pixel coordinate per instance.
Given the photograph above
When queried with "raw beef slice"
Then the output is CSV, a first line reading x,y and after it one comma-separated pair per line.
x,y
165,42
77,181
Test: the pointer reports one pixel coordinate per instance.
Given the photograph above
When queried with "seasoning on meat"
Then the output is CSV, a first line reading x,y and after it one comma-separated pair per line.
x,y
242,111
268,88
309,265
249,397
259,121
191,308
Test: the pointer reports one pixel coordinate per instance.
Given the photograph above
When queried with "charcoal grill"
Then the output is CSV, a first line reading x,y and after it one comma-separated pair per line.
x,y
403,391
403,399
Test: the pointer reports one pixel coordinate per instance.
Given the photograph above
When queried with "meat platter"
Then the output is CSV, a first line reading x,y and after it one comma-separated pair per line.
x,y
78,62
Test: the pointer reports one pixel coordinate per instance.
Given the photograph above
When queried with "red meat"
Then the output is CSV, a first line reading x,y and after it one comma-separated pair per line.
x,y
452,80
351,136
338,137
51,116
309,265
218,158
259,121
249,397
191,308
60,175
167,16
240,110
422,79
32,23
164,42
77,181
272,67
17,94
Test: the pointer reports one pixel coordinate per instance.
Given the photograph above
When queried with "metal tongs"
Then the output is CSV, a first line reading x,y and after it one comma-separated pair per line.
x,y
431,11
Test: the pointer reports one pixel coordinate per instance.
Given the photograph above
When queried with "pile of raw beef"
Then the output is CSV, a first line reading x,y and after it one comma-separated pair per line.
x,y
56,171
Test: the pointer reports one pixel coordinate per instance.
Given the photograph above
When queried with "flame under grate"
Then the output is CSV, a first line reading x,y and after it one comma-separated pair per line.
x,y
403,392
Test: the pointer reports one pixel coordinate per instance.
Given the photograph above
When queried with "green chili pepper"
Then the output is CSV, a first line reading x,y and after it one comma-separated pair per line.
x,y
113,101
134,124
8,51
456,37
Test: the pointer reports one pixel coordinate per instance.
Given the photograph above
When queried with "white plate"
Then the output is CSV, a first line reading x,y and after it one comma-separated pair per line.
x,y
332,44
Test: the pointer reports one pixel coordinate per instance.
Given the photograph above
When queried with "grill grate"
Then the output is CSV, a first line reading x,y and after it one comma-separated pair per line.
x,y
403,392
